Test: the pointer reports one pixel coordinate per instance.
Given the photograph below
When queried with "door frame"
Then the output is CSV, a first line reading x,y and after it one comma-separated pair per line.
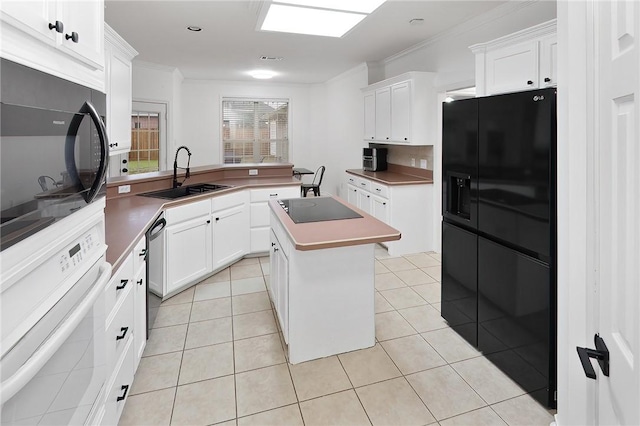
x,y
576,190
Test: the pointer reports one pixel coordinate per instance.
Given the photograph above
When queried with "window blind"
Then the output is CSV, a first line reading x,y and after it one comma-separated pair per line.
x,y
255,131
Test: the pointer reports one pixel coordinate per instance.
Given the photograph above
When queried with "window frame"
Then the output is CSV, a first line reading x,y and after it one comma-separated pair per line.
x,y
255,141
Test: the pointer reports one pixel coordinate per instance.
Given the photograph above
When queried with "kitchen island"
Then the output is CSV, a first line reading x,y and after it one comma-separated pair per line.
x,y
322,277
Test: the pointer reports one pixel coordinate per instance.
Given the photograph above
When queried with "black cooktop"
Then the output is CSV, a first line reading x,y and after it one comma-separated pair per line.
x,y
316,209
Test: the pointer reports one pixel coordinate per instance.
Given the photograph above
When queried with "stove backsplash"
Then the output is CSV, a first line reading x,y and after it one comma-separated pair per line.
x,y
402,155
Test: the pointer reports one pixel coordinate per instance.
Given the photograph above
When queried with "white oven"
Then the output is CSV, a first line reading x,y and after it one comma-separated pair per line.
x,y
52,367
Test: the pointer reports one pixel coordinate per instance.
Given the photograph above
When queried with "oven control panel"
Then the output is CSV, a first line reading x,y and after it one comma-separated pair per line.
x,y
74,254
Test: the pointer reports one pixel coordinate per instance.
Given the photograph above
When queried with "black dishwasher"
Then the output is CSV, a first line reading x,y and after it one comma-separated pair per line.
x,y
153,301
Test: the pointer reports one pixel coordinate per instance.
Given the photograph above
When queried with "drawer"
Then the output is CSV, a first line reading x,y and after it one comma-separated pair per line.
x,y
119,386
352,180
380,190
119,284
188,211
120,328
223,202
259,214
363,184
139,254
266,194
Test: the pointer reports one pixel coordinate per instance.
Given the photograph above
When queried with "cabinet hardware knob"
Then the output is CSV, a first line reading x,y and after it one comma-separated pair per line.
x,y
387,137
124,333
111,145
125,388
217,219
273,244
123,284
74,37
529,82
208,221
547,79
58,26
124,161
275,249
139,281
384,204
125,170
368,196
406,139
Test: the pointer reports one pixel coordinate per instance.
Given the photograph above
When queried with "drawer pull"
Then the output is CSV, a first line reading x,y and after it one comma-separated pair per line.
x,y
139,281
123,284
143,252
378,189
273,195
58,26
125,388
363,184
124,333
74,37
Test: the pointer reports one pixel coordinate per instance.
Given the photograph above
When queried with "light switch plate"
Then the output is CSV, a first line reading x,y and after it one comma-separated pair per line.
x,y
423,163
413,162
253,172
123,189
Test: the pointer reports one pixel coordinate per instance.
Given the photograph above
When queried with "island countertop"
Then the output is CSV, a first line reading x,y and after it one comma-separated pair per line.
x,y
335,233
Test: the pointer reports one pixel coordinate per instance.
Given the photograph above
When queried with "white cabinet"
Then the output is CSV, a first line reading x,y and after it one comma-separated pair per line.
x,y
404,207
520,61
59,37
230,219
370,116
279,284
189,252
259,213
401,110
139,301
118,56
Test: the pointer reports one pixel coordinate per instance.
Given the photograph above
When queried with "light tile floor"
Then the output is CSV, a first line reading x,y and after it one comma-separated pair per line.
x,y
216,356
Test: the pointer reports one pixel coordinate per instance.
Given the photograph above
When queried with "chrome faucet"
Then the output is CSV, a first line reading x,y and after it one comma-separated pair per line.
x,y
175,167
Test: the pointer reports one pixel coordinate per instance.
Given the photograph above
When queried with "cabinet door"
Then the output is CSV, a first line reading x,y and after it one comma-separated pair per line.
x,y
118,102
86,19
33,17
512,68
230,235
282,294
140,314
352,195
383,114
370,116
401,112
364,200
274,276
380,209
548,61
188,252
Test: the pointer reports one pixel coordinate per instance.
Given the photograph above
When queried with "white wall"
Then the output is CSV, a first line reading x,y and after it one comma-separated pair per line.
x,y
202,117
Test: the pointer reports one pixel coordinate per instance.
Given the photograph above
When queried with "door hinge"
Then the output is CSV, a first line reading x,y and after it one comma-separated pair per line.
x,y
601,353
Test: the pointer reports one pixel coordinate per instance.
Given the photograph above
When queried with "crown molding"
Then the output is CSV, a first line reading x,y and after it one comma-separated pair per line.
x,y
541,30
492,15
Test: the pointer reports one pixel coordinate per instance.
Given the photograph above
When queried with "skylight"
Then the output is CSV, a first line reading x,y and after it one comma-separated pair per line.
x,y
331,18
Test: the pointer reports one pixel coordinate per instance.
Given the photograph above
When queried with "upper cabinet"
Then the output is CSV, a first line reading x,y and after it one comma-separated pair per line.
x,y
401,110
60,37
520,61
118,68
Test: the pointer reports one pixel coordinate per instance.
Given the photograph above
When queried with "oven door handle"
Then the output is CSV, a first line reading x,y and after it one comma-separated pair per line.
x,y
30,368
69,151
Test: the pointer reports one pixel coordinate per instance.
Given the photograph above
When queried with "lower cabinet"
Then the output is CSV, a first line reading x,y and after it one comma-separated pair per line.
x,y
189,252
259,211
405,207
279,284
230,220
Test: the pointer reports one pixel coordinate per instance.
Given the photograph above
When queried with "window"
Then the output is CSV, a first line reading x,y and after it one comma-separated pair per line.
x,y
255,131
148,128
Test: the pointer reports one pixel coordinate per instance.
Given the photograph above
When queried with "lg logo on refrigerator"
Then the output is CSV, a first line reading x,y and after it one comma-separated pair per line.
x,y
538,98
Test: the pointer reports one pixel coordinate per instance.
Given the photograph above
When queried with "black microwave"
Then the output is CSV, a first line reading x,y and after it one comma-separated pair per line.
x,y
53,150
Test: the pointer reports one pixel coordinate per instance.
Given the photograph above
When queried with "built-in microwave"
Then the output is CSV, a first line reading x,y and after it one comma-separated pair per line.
x,y
54,150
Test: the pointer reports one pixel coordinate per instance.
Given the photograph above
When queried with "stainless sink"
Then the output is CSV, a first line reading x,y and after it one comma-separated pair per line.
x,y
185,191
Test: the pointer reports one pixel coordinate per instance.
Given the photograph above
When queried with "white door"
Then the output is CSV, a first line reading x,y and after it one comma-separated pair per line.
x,y
598,204
230,235
617,252
189,252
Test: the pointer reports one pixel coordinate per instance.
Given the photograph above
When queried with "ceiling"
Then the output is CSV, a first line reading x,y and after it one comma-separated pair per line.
x,y
229,45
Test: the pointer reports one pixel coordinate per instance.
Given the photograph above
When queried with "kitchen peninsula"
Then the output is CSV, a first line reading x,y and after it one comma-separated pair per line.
x,y
322,275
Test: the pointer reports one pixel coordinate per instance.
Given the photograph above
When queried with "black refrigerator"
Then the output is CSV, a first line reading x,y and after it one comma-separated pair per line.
x,y
499,232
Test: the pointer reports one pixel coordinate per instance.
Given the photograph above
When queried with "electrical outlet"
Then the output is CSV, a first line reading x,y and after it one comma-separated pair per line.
x,y
253,172
123,189
423,163
413,162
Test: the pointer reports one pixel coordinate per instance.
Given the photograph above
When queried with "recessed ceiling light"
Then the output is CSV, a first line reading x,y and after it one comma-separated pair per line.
x,y
194,28
262,74
304,20
362,6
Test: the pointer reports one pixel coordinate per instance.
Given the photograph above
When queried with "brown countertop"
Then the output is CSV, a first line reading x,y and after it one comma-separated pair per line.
x,y
391,178
335,233
127,218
